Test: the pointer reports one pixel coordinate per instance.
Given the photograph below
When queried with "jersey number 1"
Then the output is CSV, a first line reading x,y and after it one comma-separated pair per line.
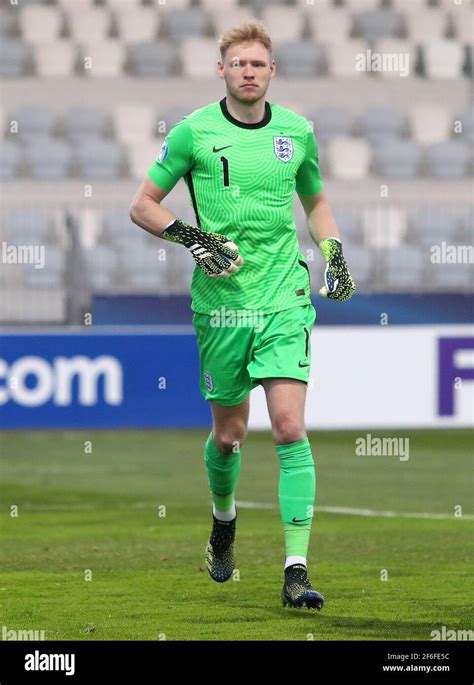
x,y
225,166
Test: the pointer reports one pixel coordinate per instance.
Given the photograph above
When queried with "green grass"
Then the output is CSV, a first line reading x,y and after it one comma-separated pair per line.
x,y
99,511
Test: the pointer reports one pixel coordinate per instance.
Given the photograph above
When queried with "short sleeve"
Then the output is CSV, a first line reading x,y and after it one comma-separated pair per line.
x,y
308,178
175,158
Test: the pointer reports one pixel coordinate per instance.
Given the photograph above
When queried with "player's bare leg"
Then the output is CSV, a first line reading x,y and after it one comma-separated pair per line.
x,y
222,457
297,487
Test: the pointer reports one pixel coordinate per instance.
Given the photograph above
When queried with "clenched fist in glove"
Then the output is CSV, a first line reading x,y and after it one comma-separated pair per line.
x,y
214,254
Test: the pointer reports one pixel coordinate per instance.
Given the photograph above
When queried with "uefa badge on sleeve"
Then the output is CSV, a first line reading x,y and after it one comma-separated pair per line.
x,y
283,148
163,152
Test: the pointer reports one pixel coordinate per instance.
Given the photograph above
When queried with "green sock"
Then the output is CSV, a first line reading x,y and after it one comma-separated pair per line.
x,y
223,474
296,492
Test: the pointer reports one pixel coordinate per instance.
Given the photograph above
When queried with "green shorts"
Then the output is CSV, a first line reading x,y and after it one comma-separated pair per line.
x,y
239,348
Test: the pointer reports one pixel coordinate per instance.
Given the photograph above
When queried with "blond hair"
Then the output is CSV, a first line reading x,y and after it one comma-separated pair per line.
x,y
251,31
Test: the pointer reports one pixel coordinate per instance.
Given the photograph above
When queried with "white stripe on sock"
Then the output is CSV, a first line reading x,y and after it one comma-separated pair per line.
x,y
225,515
295,560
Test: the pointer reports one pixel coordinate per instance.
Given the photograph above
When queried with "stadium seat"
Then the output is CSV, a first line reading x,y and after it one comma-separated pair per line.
x,y
329,25
171,6
384,226
361,264
48,159
199,57
134,123
342,58
349,158
156,60
224,5
51,276
311,5
462,23
376,24
409,5
426,25
100,159
465,5
81,122
76,5
124,5
137,25
13,58
402,267
283,23
431,123
395,158
141,155
55,59
144,271
348,221
223,18
467,123
34,121
398,66
89,26
450,159
106,58
331,121
27,226
300,59
467,225
446,276
10,160
172,116
116,224
186,22
102,267
443,59
8,20
362,5
381,122
429,225
40,24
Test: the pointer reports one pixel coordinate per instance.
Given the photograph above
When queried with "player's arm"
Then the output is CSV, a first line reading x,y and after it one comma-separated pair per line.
x,y
214,254
339,284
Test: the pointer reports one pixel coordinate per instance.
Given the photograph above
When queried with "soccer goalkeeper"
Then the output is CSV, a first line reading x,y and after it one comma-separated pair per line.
x,y
242,159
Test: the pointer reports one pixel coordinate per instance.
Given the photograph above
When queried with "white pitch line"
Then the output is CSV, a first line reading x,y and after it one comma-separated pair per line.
x,y
349,511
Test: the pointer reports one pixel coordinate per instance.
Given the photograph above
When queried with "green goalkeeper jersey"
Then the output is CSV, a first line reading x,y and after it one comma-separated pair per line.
x,y
242,179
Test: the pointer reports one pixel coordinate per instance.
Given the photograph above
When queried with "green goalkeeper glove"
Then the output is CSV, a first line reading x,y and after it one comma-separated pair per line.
x,y
214,254
339,284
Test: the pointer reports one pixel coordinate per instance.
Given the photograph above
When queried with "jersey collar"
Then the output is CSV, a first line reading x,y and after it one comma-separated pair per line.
x,y
260,124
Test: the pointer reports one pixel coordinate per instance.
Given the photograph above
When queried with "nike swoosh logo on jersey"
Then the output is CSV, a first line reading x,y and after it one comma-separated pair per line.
x,y
301,364
300,520
218,149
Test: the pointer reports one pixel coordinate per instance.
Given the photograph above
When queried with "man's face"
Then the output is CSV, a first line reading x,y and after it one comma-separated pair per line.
x,y
247,69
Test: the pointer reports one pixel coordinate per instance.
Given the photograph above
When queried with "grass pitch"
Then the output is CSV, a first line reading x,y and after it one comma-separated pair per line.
x,y
108,541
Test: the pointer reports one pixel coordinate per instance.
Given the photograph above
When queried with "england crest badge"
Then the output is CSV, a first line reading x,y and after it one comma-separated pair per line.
x,y
283,148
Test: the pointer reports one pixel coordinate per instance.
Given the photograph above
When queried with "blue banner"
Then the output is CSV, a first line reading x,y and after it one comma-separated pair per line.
x,y
89,380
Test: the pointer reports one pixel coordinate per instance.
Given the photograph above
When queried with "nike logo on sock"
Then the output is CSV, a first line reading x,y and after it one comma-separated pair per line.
x,y
301,520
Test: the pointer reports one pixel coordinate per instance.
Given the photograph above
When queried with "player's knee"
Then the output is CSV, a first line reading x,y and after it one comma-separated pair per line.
x,y
230,441
287,429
